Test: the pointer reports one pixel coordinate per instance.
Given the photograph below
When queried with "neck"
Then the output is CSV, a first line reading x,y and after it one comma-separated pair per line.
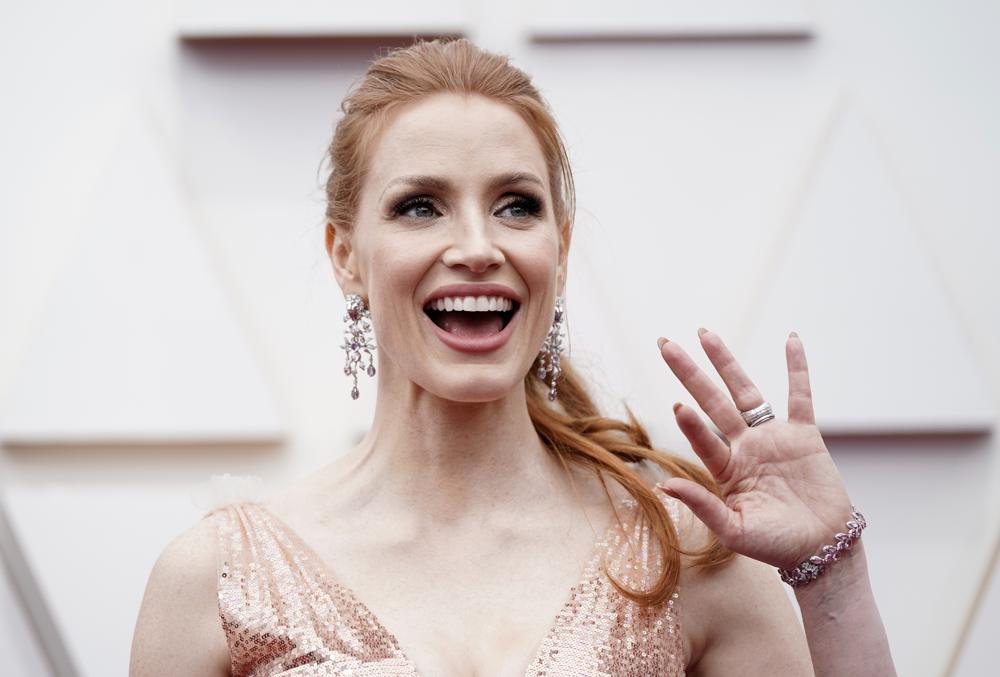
x,y
446,459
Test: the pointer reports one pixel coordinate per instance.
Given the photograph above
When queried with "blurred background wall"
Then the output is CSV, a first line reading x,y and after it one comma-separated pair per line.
x,y
167,312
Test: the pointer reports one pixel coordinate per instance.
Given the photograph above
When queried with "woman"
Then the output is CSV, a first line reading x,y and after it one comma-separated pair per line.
x,y
451,539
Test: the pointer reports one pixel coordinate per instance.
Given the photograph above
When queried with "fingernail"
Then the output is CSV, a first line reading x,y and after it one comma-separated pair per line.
x,y
701,330
677,405
662,342
793,334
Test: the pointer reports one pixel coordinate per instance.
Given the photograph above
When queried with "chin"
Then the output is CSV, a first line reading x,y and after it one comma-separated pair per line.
x,y
474,388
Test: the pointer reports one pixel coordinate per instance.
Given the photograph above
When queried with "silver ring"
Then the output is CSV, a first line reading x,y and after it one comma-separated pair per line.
x,y
758,414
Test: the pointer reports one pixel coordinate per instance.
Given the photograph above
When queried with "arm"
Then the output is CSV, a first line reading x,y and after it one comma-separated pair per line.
x,y
178,631
750,627
845,631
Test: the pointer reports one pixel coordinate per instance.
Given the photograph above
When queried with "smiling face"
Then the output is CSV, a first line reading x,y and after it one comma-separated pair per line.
x,y
456,248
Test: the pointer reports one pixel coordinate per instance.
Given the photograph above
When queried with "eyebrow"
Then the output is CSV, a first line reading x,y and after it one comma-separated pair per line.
x,y
442,184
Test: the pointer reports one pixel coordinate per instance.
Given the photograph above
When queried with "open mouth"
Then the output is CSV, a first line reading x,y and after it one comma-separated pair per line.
x,y
472,316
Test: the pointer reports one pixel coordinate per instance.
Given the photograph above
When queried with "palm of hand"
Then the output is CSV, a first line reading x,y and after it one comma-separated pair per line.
x,y
783,497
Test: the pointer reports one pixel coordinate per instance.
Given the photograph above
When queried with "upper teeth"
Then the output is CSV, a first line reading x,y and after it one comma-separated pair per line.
x,y
472,303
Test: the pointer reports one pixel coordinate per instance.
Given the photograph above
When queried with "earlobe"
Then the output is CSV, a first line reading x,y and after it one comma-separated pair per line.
x,y
563,262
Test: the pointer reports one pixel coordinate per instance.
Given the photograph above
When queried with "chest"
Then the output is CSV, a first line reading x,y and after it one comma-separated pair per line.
x,y
501,612
474,623
483,641
466,605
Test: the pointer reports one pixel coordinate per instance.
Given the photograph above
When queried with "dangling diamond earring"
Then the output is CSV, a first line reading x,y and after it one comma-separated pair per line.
x,y
357,342
548,361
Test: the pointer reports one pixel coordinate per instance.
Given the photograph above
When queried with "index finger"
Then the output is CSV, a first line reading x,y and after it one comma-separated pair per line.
x,y
709,397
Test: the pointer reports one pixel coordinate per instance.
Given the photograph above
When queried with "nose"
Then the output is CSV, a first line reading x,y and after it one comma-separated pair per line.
x,y
473,246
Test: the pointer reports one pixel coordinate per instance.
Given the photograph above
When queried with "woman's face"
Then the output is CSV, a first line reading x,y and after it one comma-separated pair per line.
x,y
456,248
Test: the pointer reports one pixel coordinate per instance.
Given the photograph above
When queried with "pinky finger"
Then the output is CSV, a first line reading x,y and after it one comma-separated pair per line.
x,y
706,506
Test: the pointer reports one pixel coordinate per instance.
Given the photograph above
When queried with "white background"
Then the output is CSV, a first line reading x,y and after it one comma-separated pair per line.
x,y
841,185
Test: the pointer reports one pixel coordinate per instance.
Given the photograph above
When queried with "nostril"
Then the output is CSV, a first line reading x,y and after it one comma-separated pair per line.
x,y
476,257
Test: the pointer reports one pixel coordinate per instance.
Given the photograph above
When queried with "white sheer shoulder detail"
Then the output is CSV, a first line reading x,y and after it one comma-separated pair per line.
x,y
226,489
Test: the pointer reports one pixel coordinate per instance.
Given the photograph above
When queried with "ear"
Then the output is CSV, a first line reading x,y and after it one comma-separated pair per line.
x,y
565,234
341,253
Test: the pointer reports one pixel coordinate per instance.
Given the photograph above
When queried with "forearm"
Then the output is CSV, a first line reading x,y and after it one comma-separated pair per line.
x,y
842,623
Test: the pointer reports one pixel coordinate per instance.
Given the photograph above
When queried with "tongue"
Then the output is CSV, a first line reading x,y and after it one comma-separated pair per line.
x,y
471,324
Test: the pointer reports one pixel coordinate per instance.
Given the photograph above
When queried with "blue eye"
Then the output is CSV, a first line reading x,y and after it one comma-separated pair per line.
x,y
524,206
420,205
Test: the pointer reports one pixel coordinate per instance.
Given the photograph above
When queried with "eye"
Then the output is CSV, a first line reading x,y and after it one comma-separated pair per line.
x,y
523,207
417,207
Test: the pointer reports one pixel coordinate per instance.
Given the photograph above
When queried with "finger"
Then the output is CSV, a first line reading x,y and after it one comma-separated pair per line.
x,y
743,390
712,451
706,506
708,396
800,403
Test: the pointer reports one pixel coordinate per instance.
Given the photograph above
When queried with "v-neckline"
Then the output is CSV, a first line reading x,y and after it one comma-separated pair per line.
x,y
596,551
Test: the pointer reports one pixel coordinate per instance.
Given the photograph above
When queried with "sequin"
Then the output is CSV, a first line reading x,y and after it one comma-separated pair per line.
x,y
283,615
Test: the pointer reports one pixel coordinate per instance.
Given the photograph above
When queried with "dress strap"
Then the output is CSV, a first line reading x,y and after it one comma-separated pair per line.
x,y
260,594
280,610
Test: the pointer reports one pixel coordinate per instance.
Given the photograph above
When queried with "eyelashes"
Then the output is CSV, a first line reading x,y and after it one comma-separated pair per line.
x,y
527,207
529,204
402,208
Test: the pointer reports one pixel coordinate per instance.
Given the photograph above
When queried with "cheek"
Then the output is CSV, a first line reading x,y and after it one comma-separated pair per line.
x,y
398,268
392,275
536,260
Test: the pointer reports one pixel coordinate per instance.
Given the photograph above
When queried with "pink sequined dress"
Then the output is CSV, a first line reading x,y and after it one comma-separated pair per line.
x,y
283,613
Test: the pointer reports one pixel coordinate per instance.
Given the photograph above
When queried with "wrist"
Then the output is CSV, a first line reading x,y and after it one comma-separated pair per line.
x,y
814,566
840,583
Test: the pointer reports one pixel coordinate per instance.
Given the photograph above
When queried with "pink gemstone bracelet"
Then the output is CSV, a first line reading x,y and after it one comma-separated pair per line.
x,y
809,570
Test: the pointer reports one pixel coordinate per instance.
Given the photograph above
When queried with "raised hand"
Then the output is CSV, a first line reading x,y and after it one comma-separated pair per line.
x,y
783,497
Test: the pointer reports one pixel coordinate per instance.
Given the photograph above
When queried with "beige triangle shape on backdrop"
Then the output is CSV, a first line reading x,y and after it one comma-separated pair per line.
x,y
886,347
138,341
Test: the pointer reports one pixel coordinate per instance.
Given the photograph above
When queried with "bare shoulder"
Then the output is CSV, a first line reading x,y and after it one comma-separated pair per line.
x,y
728,612
178,630
732,610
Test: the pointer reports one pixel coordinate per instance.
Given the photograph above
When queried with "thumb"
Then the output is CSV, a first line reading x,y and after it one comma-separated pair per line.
x,y
706,506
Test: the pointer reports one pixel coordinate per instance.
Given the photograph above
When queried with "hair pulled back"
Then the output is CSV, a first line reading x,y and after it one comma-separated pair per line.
x,y
574,429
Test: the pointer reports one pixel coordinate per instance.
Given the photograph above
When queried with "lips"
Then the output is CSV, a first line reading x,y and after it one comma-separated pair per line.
x,y
472,318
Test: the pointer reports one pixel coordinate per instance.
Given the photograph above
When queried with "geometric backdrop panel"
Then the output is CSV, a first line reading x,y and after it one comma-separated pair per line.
x,y
582,19
139,339
198,19
978,648
853,276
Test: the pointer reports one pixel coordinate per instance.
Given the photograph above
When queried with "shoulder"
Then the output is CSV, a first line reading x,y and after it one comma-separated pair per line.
x,y
730,610
178,630
735,609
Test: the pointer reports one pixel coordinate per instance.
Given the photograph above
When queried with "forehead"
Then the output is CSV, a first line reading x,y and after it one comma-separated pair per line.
x,y
457,136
